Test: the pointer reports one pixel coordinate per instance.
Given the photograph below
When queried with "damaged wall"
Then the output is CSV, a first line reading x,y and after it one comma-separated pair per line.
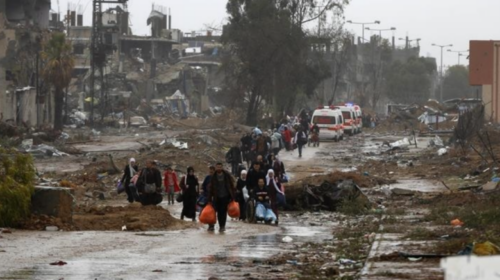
x,y
32,12
21,23
7,50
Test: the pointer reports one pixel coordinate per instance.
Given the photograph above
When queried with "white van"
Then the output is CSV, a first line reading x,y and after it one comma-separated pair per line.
x,y
349,116
359,117
330,122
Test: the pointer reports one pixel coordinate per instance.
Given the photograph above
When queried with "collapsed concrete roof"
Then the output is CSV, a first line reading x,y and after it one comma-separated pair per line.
x,y
155,14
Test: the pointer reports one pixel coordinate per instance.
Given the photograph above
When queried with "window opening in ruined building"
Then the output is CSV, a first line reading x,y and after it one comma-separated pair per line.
x,y
78,48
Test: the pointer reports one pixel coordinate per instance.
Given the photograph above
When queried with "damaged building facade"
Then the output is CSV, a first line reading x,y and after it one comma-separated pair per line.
x,y
23,25
484,65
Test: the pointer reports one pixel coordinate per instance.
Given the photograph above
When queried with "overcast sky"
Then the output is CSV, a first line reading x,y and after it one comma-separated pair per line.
x,y
434,21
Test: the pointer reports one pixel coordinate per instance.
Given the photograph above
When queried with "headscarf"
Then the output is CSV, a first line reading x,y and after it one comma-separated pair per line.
x,y
270,178
243,172
189,169
131,167
191,178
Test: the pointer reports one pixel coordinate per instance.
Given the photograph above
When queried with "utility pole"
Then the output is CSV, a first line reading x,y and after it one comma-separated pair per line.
x,y
441,82
460,53
97,50
363,26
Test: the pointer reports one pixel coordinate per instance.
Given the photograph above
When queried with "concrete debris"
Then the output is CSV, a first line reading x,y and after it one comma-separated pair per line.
x,y
138,121
401,143
43,150
402,192
490,186
53,201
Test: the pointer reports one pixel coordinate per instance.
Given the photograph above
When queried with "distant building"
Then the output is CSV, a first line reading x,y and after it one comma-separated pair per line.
x,y
484,71
22,27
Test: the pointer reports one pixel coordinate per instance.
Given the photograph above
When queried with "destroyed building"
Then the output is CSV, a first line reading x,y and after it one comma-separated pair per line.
x,y
23,25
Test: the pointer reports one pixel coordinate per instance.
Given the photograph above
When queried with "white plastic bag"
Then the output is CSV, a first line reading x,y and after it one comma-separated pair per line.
x,y
246,196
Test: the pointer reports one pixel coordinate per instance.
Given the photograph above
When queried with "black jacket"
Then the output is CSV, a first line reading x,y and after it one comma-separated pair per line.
x,y
190,185
253,177
230,186
149,176
126,175
234,155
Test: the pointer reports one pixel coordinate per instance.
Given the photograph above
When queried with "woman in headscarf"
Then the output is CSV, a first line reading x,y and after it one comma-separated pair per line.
x,y
277,166
190,190
241,188
274,187
130,170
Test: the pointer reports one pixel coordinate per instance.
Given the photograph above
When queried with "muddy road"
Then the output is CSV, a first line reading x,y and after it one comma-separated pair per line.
x,y
239,253
187,254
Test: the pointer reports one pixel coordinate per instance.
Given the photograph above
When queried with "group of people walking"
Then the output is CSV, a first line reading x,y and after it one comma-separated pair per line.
x,y
261,185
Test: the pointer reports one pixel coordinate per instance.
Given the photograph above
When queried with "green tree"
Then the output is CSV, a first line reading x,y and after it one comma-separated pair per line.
x,y
59,64
410,82
456,83
17,175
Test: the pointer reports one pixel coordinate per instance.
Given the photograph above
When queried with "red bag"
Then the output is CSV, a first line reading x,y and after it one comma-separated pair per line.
x,y
233,209
208,216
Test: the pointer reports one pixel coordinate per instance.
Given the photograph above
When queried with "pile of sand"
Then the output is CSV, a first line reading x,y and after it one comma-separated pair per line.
x,y
134,217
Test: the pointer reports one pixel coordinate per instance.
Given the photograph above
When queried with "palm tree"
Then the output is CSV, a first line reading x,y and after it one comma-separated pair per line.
x,y
59,64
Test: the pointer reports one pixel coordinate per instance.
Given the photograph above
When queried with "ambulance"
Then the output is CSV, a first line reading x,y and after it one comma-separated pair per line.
x,y
330,122
351,126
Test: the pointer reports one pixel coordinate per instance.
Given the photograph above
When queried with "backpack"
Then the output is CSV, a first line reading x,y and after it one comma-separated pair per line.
x,y
302,138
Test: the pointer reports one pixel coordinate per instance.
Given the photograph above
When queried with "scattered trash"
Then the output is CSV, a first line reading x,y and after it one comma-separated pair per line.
x,y
287,239
157,270
347,262
27,144
124,228
292,262
486,249
442,151
414,259
179,145
51,228
59,263
457,223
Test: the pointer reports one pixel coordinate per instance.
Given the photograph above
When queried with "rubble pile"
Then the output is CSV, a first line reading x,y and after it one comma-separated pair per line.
x,y
426,118
329,192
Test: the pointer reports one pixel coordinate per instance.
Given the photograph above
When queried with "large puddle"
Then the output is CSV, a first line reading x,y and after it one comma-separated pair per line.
x,y
189,254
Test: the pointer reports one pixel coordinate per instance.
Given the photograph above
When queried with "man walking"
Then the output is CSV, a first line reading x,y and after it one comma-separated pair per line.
x,y
222,191
233,156
300,139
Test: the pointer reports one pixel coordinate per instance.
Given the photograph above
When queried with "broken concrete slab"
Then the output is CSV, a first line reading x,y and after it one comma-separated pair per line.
x,y
402,192
53,201
490,186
